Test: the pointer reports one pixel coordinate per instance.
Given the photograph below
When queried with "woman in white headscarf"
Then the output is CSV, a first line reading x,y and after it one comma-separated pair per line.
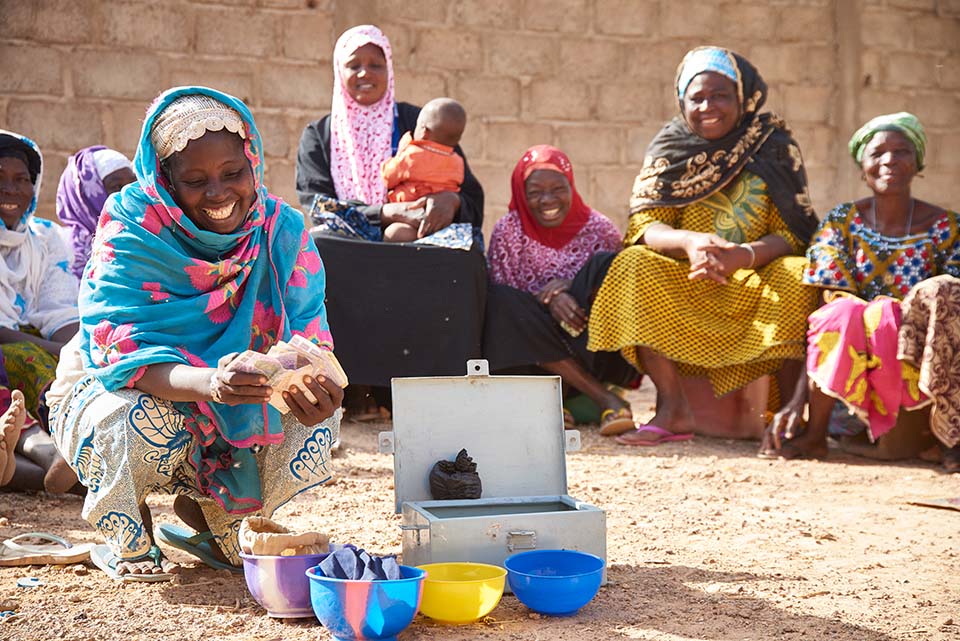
x,y
38,312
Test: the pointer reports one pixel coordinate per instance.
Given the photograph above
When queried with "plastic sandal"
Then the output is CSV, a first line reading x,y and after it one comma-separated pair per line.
x,y
104,558
197,545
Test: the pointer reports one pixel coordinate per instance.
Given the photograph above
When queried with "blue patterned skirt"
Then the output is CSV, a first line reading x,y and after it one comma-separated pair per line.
x,y
127,444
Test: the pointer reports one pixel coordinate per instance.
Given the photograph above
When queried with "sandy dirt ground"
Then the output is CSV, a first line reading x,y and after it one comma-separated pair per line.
x,y
705,542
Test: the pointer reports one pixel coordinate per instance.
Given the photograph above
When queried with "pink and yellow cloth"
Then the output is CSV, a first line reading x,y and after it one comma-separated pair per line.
x,y
886,341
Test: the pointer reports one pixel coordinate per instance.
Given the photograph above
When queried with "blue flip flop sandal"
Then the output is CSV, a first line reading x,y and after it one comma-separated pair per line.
x,y
104,558
197,545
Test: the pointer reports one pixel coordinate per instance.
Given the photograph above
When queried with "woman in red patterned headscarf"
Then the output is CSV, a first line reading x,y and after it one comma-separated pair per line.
x,y
536,252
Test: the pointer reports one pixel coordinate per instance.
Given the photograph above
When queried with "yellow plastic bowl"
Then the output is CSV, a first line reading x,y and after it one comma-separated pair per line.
x,y
461,592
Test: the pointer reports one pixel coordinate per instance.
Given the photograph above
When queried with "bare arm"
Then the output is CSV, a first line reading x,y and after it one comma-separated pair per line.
x,y
57,341
667,240
186,383
441,211
63,335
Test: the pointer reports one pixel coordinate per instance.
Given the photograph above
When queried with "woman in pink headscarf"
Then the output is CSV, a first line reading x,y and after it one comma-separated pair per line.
x,y
400,310
340,155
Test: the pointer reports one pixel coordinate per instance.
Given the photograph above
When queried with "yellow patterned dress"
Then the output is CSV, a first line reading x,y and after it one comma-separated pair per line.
x,y
731,333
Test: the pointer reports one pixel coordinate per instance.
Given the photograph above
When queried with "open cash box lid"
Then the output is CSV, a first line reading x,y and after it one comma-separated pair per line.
x,y
512,427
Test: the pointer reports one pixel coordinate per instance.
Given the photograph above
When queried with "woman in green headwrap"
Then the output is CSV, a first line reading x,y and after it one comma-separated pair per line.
x,y
884,340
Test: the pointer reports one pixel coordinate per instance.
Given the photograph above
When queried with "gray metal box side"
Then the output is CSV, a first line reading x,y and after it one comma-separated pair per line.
x,y
492,538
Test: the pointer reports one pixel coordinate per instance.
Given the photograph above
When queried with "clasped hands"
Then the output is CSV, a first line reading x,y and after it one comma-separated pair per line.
x,y
563,307
715,258
237,388
428,215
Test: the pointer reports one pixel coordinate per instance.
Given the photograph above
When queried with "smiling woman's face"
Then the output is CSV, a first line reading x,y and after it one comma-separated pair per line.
x,y
16,190
212,181
548,197
711,106
365,74
889,163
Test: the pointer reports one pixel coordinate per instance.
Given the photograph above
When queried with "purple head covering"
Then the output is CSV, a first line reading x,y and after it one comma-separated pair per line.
x,y
80,199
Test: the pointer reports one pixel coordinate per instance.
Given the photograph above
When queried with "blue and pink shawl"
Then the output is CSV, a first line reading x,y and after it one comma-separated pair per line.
x,y
158,289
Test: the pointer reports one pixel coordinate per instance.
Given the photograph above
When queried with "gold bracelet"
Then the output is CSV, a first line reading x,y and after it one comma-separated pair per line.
x,y
753,254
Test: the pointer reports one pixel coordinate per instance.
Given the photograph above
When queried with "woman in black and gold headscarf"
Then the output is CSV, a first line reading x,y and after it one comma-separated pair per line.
x,y
709,281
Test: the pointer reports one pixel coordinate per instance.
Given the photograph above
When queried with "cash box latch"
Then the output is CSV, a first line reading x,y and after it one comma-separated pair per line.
x,y
521,540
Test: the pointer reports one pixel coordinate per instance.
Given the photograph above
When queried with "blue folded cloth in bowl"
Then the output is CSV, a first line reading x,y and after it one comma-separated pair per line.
x,y
348,562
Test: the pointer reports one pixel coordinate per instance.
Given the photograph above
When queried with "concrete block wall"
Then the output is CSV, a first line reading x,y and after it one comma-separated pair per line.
x,y
593,77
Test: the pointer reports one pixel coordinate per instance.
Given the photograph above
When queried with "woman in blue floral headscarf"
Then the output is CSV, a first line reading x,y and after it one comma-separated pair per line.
x,y
192,264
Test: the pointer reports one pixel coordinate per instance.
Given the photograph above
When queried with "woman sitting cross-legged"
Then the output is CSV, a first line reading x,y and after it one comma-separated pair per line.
x,y
192,264
886,339
38,315
709,284
538,300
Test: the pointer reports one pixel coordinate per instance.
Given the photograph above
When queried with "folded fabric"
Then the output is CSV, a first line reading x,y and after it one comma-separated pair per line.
x,y
349,563
342,218
261,536
455,236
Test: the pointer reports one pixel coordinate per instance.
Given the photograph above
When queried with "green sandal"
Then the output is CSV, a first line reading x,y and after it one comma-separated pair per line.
x,y
197,545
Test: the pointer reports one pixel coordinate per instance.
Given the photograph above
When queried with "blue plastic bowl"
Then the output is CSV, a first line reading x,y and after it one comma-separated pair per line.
x,y
554,582
359,610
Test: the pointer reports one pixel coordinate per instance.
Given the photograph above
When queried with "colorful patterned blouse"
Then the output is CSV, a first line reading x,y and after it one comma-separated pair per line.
x,y
521,262
845,254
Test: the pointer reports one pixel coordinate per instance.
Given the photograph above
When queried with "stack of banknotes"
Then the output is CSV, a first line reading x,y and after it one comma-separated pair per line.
x,y
287,364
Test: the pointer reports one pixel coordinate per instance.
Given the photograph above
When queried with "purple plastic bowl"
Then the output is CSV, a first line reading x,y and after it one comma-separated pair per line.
x,y
280,584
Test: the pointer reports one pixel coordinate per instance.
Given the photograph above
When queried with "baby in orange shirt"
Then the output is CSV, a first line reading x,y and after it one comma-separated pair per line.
x,y
426,162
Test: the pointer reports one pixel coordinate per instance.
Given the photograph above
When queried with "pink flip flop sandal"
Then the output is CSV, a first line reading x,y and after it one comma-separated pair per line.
x,y
664,436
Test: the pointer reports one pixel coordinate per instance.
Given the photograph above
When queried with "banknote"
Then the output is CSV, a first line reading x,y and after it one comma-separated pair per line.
x,y
286,364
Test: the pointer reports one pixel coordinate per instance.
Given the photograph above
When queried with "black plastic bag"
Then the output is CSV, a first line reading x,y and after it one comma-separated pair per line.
x,y
455,479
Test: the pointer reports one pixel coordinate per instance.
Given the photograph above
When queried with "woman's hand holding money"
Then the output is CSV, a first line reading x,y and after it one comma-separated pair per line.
x,y
232,387
329,395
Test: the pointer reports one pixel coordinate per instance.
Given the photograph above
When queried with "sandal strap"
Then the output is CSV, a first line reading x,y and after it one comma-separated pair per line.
x,y
154,554
198,538
610,413
44,536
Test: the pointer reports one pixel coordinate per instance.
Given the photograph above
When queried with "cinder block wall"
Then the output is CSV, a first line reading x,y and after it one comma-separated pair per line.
x,y
593,77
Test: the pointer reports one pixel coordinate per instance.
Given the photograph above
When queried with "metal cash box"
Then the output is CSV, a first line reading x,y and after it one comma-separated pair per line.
x,y
512,427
